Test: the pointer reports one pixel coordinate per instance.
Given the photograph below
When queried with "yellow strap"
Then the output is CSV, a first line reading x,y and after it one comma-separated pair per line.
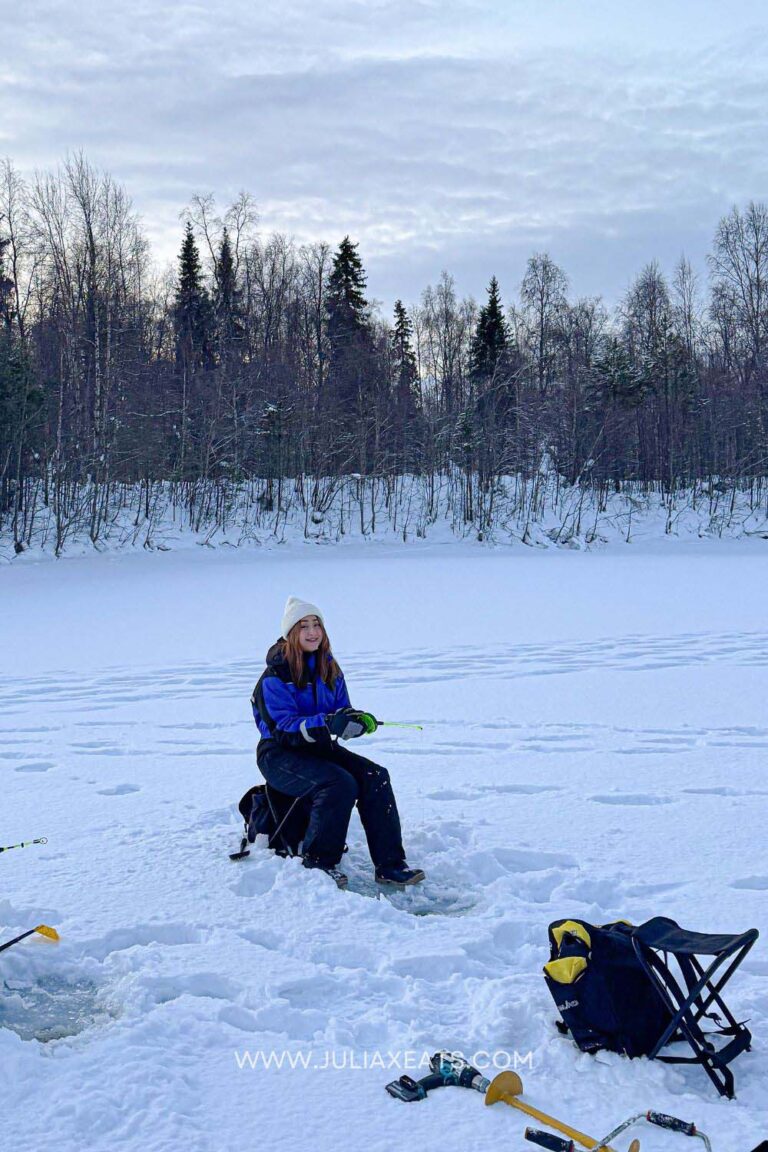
x,y
567,970
575,929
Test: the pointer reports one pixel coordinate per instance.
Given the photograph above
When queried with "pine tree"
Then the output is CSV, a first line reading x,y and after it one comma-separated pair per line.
x,y
491,338
345,302
9,383
613,380
6,286
20,401
228,308
192,309
354,374
405,405
404,370
614,393
8,386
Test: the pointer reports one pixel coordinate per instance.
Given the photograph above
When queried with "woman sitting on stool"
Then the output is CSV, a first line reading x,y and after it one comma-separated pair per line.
x,y
301,706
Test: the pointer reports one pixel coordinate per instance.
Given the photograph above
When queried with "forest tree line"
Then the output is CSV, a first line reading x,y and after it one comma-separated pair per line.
x,y
259,358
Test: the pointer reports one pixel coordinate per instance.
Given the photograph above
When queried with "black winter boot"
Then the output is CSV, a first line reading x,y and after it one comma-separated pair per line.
x,y
399,875
340,878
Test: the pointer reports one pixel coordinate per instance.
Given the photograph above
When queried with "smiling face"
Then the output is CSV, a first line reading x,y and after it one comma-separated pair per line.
x,y
310,633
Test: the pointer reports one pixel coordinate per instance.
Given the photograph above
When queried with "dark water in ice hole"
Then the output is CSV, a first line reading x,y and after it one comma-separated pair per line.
x,y
52,1008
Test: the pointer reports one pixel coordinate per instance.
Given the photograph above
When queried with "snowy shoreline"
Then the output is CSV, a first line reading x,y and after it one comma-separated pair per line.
x,y
543,513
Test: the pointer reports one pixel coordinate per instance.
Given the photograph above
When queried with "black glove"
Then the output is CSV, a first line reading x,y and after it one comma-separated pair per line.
x,y
348,723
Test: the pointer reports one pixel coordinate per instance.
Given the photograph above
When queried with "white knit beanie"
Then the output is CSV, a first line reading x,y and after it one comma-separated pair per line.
x,y
296,610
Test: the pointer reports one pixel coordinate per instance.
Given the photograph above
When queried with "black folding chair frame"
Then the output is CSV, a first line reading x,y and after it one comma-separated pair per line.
x,y
688,1008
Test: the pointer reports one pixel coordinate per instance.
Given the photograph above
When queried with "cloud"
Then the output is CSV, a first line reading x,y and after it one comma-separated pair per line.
x,y
437,134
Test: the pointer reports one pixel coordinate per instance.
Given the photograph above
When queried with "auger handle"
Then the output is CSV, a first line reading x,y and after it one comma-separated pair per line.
x,y
549,1140
662,1120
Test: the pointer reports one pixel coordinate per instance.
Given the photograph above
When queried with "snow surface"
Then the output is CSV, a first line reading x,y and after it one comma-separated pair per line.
x,y
595,744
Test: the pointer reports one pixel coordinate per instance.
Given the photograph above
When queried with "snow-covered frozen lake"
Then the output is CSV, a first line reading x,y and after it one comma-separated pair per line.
x,y
595,744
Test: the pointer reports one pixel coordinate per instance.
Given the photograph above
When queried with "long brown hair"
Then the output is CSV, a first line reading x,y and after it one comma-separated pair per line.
x,y
327,668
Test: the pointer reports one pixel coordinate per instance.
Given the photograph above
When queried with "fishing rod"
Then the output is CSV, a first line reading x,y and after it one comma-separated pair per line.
x,y
25,844
370,723
43,929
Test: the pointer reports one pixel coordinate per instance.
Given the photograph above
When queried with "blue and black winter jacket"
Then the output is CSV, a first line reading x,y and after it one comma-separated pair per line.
x,y
295,717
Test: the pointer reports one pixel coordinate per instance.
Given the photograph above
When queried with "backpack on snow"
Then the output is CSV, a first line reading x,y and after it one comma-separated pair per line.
x,y
635,990
282,819
601,989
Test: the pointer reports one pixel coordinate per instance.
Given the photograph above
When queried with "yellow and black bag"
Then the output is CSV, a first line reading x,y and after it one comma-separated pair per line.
x,y
601,990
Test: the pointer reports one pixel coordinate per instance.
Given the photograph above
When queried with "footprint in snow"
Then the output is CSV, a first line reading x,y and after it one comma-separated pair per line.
x,y
532,860
203,985
724,791
262,938
752,883
506,939
45,728
608,894
536,874
639,799
118,790
654,889
141,936
593,891
39,766
240,1018
94,746
254,881
519,789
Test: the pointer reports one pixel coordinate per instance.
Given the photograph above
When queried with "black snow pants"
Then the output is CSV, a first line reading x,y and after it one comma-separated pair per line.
x,y
334,782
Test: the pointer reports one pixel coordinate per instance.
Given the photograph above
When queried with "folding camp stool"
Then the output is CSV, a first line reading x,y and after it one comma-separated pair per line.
x,y
690,1001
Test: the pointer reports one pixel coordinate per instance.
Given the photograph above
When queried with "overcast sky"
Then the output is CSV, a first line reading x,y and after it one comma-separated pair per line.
x,y
457,134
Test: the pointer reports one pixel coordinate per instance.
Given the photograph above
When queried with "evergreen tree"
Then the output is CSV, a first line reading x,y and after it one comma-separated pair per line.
x,y
346,305
17,400
404,371
6,286
355,376
614,395
491,338
405,406
228,307
20,400
7,374
192,309
613,380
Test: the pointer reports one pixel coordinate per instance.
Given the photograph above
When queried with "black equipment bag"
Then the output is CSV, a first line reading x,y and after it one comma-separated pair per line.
x,y
601,989
636,989
283,819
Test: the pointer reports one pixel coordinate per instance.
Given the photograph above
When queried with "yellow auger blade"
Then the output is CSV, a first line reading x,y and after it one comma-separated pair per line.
x,y
50,933
508,1087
